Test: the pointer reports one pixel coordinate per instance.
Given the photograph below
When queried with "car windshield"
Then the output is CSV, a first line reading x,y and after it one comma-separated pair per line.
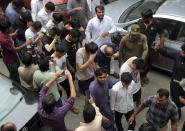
x,y
151,4
62,7
9,96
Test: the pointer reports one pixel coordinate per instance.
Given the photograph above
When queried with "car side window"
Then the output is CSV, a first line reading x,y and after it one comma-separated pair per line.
x,y
170,28
181,34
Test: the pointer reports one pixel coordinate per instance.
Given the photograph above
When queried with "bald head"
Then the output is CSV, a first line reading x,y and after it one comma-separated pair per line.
x,y
9,126
108,50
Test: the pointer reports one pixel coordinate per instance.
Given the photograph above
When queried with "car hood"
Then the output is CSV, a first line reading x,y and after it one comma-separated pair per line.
x,y
115,9
23,111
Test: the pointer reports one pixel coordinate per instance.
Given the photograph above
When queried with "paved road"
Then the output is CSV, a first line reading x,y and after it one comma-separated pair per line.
x,y
157,78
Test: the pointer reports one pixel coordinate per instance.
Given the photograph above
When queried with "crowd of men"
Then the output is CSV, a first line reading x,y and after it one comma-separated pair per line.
x,y
53,55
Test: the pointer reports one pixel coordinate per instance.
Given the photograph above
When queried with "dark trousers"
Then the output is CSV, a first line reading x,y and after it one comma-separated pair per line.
x,y
137,96
66,86
149,60
118,117
59,103
13,70
84,86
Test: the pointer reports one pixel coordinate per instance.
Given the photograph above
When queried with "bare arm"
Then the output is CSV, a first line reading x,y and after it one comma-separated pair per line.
x,y
71,84
174,127
50,47
22,46
82,67
138,109
145,48
57,75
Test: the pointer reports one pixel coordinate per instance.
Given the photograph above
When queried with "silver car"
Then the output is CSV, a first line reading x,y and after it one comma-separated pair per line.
x,y
18,105
171,14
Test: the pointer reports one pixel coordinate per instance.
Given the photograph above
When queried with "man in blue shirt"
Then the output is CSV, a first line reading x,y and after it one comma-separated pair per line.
x,y
99,91
104,56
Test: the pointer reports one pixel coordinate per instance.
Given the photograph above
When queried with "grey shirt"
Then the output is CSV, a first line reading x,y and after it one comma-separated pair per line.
x,y
83,15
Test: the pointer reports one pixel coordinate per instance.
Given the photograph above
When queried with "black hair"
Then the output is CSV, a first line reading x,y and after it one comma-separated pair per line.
x,y
57,17
126,77
91,47
147,127
37,25
163,92
43,63
54,31
89,113
183,47
62,47
49,103
46,128
101,7
7,128
147,13
4,25
26,59
75,23
50,6
26,16
74,33
140,63
18,3
100,71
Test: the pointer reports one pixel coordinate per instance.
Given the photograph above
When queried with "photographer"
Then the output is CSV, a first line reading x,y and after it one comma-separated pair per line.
x,y
32,33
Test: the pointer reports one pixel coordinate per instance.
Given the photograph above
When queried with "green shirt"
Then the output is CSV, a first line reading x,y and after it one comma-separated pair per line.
x,y
41,78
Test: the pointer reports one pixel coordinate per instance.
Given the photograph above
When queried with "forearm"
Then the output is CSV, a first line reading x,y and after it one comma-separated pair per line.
x,y
50,47
138,109
116,54
22,46
72,88
50,82
162,40
68,64
85,65
145,53
174,127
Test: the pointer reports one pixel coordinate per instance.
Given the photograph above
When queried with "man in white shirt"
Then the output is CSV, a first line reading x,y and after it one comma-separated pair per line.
x,y
99,28
45,14
134,65
121,101
60,56
56,21
33,33
36,6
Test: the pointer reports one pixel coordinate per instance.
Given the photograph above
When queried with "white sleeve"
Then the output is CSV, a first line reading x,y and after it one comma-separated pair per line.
x,y
88,31
113,27
112,98
33,9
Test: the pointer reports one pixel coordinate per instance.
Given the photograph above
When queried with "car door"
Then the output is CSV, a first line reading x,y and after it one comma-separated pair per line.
x,y
171,30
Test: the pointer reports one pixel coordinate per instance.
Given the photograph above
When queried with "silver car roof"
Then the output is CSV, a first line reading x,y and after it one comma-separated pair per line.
x,y
173,9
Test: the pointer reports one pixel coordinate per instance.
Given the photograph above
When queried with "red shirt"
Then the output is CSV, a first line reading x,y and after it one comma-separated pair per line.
x,y
7,45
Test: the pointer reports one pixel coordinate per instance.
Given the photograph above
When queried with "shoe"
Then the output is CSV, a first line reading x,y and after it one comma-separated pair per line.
x,y
74,110
146,80
116,75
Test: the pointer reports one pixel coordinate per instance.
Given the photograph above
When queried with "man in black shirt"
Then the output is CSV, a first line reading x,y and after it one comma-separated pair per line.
x,y
176,91
150,27
49,40
71,40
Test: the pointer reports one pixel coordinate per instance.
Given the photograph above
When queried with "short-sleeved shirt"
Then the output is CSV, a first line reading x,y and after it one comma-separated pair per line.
x,y
7,45
159,116
151,31
71,53
81,58
102,59
47,40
